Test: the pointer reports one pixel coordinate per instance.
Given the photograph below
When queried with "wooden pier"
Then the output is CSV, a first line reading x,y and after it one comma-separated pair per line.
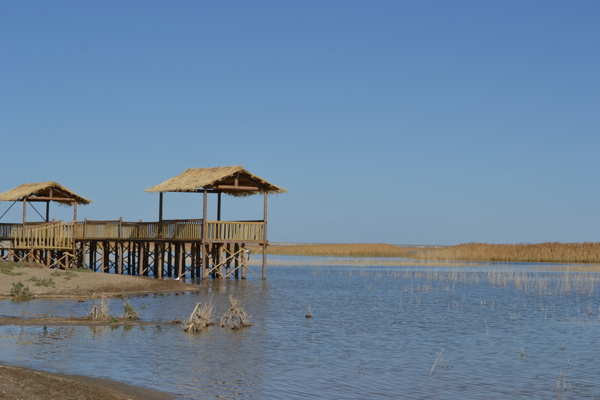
x,y
193,247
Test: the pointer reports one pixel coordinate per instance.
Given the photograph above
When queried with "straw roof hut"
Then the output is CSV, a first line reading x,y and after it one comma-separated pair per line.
x,y
44,191
232,180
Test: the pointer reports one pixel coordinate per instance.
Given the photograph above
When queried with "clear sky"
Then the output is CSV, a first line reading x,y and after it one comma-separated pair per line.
x,y
414,122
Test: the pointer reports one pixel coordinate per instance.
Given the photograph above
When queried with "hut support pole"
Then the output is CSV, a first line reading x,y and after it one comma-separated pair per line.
x,y
160,207
204,230
219,206
75,211
264,249
24,211
48,211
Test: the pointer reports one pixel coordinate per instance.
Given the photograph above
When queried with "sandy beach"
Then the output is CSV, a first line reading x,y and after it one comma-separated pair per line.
x,y
24,383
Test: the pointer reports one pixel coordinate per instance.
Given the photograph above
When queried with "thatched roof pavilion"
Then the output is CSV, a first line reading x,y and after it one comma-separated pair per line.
x,y
232,180
44,192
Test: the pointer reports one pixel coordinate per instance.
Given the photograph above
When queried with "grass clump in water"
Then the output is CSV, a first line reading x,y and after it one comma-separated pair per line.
x,y
100,308
235,317
129,312
200,318
20,291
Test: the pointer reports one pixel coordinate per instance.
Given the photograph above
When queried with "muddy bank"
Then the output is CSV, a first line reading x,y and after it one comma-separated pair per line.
x,y
42,282
23,383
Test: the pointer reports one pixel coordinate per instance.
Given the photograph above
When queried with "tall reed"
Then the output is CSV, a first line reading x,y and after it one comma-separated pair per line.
x,y
555,252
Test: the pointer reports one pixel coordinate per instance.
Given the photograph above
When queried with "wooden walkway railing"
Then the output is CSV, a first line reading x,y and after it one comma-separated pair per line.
x,y
51,236
235,231
60,234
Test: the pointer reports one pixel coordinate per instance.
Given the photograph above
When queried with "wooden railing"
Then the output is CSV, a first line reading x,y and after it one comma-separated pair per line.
x,y
7,230
235,230
56,234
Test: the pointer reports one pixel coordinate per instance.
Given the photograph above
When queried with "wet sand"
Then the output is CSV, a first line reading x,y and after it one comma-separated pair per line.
x,y
24,383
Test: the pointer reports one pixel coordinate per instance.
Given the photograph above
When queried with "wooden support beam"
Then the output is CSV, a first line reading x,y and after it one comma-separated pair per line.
x,y
236,266
231,187
63,199
177,260
219,206
119,256
264,259
104,257
24,210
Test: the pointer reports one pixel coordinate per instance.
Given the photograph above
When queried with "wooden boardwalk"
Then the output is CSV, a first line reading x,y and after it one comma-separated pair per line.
x,y
175,248
172,248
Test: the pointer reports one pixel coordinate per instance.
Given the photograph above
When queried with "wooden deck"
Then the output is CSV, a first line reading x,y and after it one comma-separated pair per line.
x,y
167,248
58,234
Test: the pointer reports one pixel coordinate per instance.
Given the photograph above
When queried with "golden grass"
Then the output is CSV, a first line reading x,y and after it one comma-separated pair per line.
x,y
338,250
552,252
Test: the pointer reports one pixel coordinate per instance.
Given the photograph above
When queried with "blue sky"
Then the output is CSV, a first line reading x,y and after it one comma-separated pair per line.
x,y
428,122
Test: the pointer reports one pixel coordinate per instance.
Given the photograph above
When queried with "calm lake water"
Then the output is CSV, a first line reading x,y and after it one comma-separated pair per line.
x,y
376,332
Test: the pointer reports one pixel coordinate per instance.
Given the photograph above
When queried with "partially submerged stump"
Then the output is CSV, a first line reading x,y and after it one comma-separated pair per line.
x,y
200,318
100,308
236,317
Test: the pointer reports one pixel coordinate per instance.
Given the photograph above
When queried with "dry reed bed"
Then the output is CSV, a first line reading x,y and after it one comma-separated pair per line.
x,y
551,252
339,250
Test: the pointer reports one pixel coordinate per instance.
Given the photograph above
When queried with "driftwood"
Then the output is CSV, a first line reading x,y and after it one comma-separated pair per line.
x,y
200,318
99,311
235,317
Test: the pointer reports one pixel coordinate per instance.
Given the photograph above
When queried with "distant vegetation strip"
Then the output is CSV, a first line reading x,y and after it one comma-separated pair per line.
x,y
551,252
339,250
554,252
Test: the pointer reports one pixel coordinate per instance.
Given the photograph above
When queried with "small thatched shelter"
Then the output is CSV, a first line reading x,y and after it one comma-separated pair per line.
x,y
231,180
44,192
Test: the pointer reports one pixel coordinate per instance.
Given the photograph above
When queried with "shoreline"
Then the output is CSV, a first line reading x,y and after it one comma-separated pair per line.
x,y
18,382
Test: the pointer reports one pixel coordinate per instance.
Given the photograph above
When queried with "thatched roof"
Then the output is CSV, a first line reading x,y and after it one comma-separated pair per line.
x,y
40,191
233,180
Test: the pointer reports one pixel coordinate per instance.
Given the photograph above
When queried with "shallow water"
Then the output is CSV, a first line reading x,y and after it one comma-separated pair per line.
x,y
376,332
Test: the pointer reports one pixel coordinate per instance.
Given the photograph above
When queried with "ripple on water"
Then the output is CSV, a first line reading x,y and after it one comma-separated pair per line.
x,y
375,333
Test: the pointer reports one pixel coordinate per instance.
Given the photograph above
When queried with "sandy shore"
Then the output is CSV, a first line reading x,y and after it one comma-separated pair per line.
x,y
22,383
49,283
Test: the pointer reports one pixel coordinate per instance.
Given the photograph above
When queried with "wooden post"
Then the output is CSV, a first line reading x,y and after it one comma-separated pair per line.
x,y
244,261
48,210
160,214
219,206
264,259
158,259
227,256
160,207
75,211
104,257
24,210
205,262
236,272
177,260
119,255
146,264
